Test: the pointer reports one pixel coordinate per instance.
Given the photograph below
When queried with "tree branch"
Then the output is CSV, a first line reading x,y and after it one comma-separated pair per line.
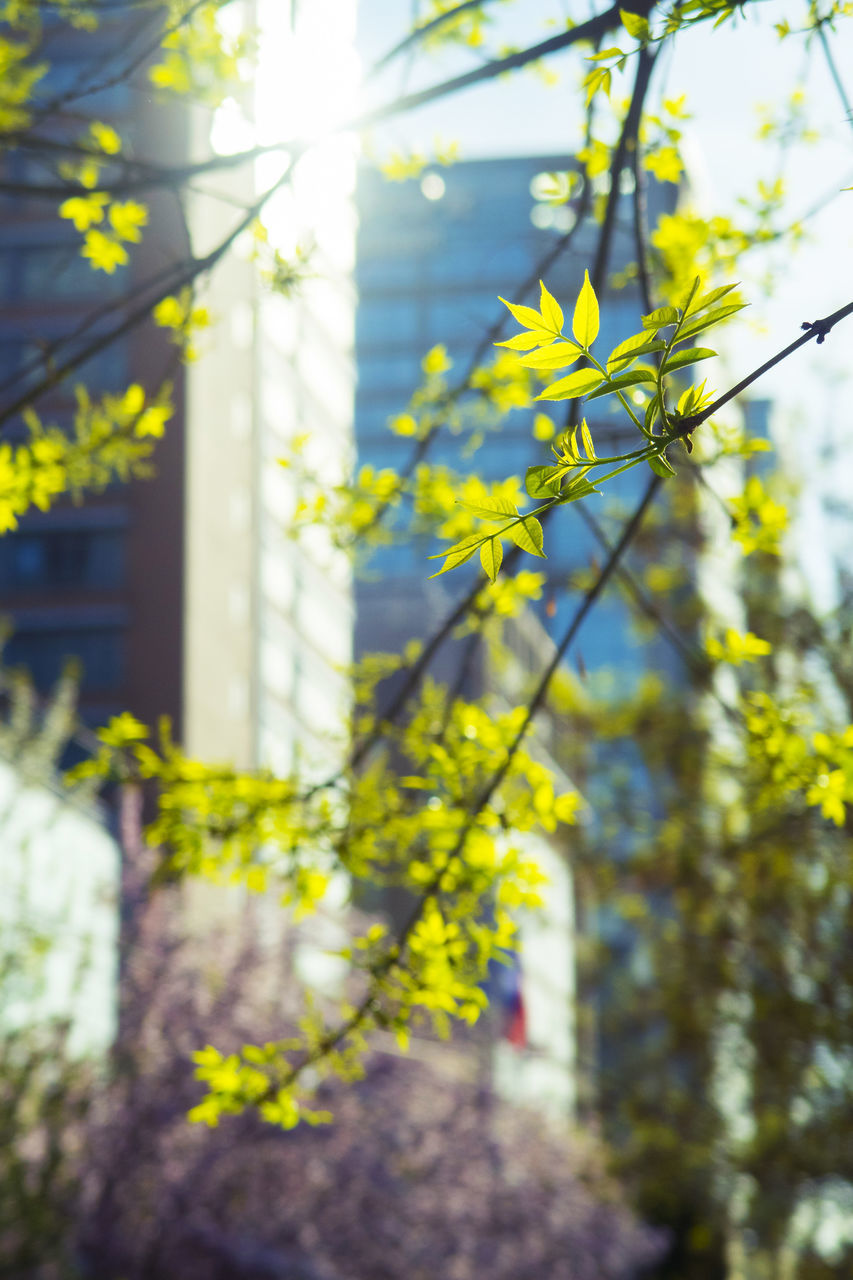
x,y
368,1005
814,329
592,30
420,33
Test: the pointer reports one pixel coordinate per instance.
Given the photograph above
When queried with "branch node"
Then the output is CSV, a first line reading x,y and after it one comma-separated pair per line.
x,y
820,327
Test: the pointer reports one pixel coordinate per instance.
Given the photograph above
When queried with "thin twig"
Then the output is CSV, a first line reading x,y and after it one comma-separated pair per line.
x,y
368,1004
814,329
421,33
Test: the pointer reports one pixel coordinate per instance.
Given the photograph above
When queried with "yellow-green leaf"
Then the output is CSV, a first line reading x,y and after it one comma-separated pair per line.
x,y
708,299
491,557
691,355
457,554
525,315
585,321
105,137
661,466
528,535
84,210
559,355
127,218
104,253
628,379
579,383
492,508
635,24
521,341
639,344
542,481
713,317
552,313
661,318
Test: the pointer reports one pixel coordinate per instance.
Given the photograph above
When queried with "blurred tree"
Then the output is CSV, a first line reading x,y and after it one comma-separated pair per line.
x,y
424,1171
467,775
718,992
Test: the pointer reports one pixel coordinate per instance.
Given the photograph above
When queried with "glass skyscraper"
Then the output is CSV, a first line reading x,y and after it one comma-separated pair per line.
x,y
433,258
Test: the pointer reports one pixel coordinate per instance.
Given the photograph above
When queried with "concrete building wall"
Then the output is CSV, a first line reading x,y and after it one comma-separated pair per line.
x,y
59,913
269,621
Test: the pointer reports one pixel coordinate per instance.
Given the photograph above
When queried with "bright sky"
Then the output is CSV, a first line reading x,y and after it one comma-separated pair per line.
x,y
727,75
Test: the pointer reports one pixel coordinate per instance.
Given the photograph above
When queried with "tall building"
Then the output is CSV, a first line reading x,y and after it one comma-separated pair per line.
x,y
59,913
433,258
180,594
101,581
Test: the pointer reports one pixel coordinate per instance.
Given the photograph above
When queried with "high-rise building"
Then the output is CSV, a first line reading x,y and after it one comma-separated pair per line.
x,y
59,913
101,581
181,594
433,258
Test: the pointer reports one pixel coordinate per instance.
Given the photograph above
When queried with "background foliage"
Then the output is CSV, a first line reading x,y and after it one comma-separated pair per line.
x,y
719,851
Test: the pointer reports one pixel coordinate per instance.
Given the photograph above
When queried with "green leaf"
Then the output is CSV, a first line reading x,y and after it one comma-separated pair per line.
x,y
713,317
587,441
542,481
453,561
521,342
457,554
652,412
576,384
605,53
660,318
585,322
598,80
524,315
558,356
661,466
578,488
624,380
528,535
635,25
694,399
491,557
691,355
491,508
639,344
691,295
708,299
551,310
471,542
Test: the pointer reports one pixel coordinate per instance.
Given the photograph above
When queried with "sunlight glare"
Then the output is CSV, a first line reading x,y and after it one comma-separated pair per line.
x,y
308,78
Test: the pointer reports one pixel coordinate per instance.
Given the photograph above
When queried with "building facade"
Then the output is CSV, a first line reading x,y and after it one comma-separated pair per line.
x,y
59,914
433,258
181,595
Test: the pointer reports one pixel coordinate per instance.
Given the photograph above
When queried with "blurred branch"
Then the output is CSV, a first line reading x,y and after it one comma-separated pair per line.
x,y
814,329
422,32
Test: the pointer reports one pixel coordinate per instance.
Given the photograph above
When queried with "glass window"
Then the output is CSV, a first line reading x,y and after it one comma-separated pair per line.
x,y
58,271
458,262
380,321
93,558
105,371
391,272
43,652
389,373
465,317
41,272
